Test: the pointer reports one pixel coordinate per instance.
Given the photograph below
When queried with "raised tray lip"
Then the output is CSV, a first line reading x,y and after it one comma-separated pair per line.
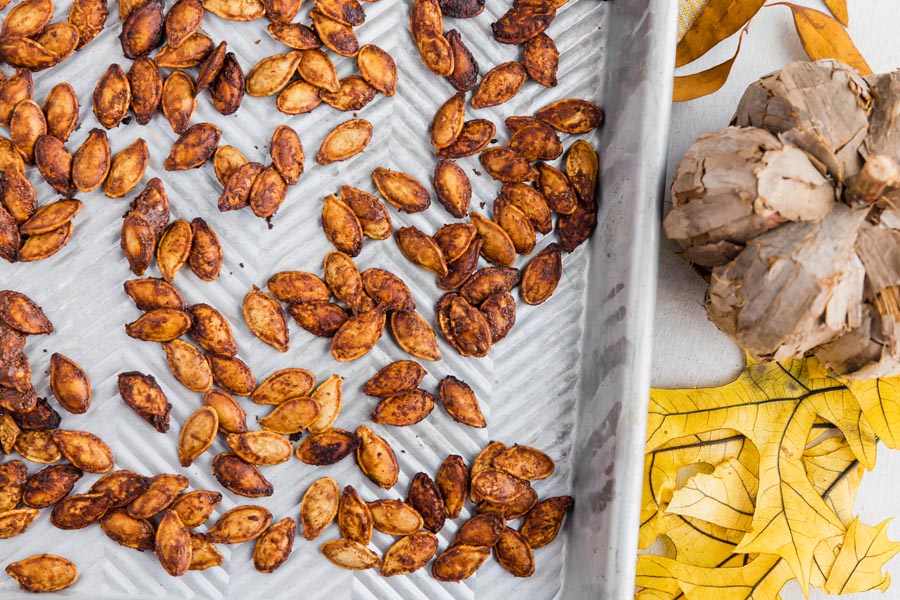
x,y
612,411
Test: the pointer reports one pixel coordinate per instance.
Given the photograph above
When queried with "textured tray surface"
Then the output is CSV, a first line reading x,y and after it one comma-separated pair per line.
x,y
528,384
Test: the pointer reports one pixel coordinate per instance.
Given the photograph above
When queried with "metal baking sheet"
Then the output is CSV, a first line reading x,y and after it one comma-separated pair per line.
x,y
571,378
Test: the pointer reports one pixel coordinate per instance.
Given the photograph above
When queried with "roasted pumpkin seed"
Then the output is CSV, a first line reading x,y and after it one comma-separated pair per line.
x,y
27,18
425,497
542,274
354,518
350,555
126,169
448,121
127,531
462,9
210,68
173,544
232,374
514,509
582,169
461,269
236,10
38,447
84,450
160,493
266,319
26,125
514,553
267,193
211,329
499,85
481,530
91,162
227,89
260,447
401,190
319,507
498,486
240,524
194,508
388,291
232,418
571,115
326,447
475,136
294,35
151,293
142,30
226,161
54,162
160,325
395,517
197,434
287,153
43,573
204,554
484,460
205,258
414,335
341,226
345,141
378,68
178,100
17,87
270,75
452,481
336,36
236,194
345,282
193,147
465,67
358,335
121,487
13,478
183,20
78,511
497,247
112,97
542,524
190,53
291,416
523,22
404,409
282,11
274,546
317,69
146,398
352,95
297,98
240,477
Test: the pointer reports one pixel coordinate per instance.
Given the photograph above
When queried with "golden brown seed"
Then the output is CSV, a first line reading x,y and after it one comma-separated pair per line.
x,y
294,35
582,169
542,524
336,36
226,161
260,447
499,85
17,195
194,508
183,20
350,555
401,190
38,447
197,434
425,497
542,60
535,141
515,509
459,562
270,75
79,511
274,546
236,194
192,51
348,12
448,121
10,239
395,378
354,518
409,554
481,530
358,335
205,258
232,418
531,202
12,480
160,325
137,242
173,544
266,319
112,97
542,274
240,477
571,115
84,450
26,125
341,226
378,68
21,313
452,481
454,239
178,100
376,458
54,162
268,193
372,214
127,531
352,95
292,416
59,38
43,573
514,553
153,205
395,517
193,147
9,431
27,18
287,153
50,485
146,398
319,507
345,281
159,495
126,169
497,247
483,461
151,293
91,162
51,216
434,49
555,187
232,374
516,225
227,89
22,52
297,98
297,286
327,447
500,311
414,335
283,385
236,10
61,109
174,248
387,290
142,30
525,462
345,141
210,68
489,281
282,11
204,554
475,136
240,524
465,67
404,409
15,88
498,486
89,17
212,331
317,69
121,487
504,164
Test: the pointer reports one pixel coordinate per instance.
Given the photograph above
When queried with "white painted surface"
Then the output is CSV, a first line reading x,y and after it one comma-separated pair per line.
x,y
688,349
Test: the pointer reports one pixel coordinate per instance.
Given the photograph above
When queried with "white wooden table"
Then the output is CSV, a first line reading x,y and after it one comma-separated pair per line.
x,y
688,349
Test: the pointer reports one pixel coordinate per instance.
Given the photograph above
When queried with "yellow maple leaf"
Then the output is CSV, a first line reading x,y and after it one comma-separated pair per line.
x,y
835,474
696,542
724,497
774,405
880,402
858,566
759,579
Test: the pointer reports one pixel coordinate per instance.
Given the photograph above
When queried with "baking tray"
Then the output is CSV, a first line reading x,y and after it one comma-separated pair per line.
x,y
571,378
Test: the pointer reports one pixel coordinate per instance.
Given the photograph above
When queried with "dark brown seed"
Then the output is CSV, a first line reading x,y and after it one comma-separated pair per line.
x,y
298,286
54,162
183,20
287,153
146,398
474,137
523,22
205,258
240,477
294,35
210,68
460,402
91,162
327,448
89,17
404,409
465,68
39,417
50,485
425,497
514,509
61,107
371,212
514,553
121,487
232,374
112,97
542,274
227,89
542,524
498,486
142,31
268,193
452,186
499,85
193,147
212,331
571,115
576,228
481,530
542,60
500,311
395,378
489,281
452,481
236,194
462,9
462,268
178,101
124,529
387,290
319,317
79,510
151,293
459,562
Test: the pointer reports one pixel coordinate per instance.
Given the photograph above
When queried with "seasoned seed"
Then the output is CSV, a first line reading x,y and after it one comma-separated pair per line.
x,y
232,374
319,507
452,481
51,216
151,293
291,416
193,147
270,75
409,554
274,546
287,153
26,125
336,36
211,67
483,461
146,398
43,573
226,161
459,562
183,20
481,530
79,511
236,194
499,85
91,162
523,22
500,311
460,270
27,18
345,282
514,509
401,190
525,462
127,531
448,121
507,165
205,258
414,335
190,53
497,247
341,226
268,193
454,239
571,115
345,141
542,60
354,518
317,69
236,10
227,89
84,450
358,335
372,214
232,418
542,524
350,555
421,250
395,378
283,385
13,476
327,447
297,98
460,402
282,11
50,485
387,290
582,168
178,100
353,94
174,248
514,553
194,508
159,495
404,409
425,497
121,487
17,87
498,486
516,225
54,162
294,35
474,137
240,477
211,330
160,325
465,68
204,554
378,68
260,447
395,517
173,544
112,97
197,434
266,319
142,30
542,274
38,447
126,169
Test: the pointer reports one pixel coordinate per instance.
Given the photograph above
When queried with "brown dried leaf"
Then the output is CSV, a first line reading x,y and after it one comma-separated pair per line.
x,y
718,20
823,37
